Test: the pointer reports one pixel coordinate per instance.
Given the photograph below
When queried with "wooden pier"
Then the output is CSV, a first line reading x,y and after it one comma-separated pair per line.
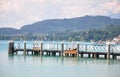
x,y
65,49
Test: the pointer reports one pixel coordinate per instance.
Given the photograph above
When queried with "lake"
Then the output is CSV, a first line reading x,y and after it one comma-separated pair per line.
x,y
51,66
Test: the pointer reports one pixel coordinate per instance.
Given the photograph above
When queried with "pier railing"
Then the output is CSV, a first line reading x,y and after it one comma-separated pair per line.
x,y
68,46
115,48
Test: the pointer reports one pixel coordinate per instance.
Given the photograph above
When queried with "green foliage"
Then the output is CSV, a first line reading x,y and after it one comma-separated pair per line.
x,y
108,32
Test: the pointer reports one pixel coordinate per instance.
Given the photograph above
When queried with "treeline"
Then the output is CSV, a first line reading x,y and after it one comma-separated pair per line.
x,y
23,37
106,33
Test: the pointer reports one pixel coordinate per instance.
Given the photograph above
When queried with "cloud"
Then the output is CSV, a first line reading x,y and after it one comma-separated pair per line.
x,y
109,7
80,8
72,11
16,13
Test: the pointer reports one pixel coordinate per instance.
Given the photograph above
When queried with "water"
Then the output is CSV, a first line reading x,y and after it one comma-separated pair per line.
x,y
48,66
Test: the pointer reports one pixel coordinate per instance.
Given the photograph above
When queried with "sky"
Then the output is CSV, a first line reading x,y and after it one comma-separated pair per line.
x,y
17,13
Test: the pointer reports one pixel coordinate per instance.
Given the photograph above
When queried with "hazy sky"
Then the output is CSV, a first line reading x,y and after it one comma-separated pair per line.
x,y
16,13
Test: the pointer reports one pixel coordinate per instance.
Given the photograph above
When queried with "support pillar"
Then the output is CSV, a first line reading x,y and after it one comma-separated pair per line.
x,y
81,54
95,55
53,53
38,52
108,51
41,51
77,49
59,53
32,52
62,48
105,56
73,55
46,53
114,56
49,53
89,55
24,48
92,55
11,47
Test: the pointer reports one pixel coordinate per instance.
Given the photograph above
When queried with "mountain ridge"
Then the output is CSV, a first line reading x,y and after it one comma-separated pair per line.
x,y
62,25
72,24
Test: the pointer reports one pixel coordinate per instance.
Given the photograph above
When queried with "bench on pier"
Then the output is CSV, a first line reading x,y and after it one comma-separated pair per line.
x,y
71,52
36,48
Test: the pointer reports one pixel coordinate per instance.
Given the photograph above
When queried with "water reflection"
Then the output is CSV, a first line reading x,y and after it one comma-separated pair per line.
x,y
62,60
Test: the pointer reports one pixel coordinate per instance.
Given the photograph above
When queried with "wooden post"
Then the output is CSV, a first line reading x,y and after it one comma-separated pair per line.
x,y
53,53
24,47
77,49
11,47
81,54
62,48
41,51
49,53
95,55
92,55
114,56
89,55
105,56
108,51
32,52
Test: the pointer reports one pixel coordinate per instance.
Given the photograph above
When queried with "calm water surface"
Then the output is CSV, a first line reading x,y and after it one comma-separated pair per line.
x,y
48,66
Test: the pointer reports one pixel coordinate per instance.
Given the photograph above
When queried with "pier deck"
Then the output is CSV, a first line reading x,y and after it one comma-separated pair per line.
x,y
66,49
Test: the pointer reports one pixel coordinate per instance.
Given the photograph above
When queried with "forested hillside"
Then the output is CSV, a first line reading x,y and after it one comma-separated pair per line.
x,y
106,33
72,24
74,29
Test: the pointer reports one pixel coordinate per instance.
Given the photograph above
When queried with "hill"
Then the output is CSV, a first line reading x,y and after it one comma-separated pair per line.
x,y
81,28
73,24
9,31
